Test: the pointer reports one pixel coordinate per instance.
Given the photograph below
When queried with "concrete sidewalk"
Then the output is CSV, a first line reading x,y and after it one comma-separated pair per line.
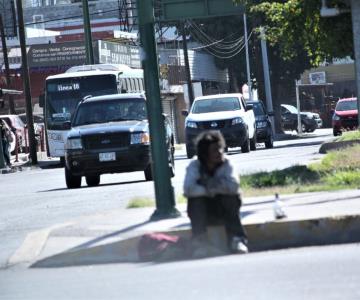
x,y
312,219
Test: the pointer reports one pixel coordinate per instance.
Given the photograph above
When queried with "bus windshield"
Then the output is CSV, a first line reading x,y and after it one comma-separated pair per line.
x,y
64,94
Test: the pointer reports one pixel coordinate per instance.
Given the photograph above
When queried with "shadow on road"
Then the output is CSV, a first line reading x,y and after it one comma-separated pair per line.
x,y
87,187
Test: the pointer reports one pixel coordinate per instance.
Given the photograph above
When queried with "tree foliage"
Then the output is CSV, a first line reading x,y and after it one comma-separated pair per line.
x,y
294,25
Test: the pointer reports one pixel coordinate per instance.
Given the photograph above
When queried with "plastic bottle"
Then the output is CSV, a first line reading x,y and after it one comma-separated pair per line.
x,y
278,208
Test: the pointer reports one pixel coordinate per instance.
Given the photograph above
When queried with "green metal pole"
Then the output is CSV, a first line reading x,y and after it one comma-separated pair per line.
x,y
164,192
87,32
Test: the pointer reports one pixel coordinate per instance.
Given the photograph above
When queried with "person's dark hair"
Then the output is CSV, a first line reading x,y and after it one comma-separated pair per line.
x,y
204,140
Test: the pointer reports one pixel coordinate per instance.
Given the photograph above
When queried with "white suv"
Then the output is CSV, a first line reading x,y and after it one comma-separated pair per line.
x,y
227,113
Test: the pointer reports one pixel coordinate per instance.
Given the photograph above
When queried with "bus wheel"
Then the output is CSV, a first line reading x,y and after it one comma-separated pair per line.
x,y
72,181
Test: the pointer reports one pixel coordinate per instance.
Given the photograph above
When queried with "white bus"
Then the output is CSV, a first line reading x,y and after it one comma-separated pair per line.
x,y
64,91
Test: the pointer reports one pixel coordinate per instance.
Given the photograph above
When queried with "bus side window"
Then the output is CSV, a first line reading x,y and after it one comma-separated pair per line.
x,y
128,85
137,85
141,84
133,88
124,86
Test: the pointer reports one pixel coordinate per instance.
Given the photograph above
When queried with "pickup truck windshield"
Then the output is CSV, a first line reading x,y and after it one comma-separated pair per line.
x,y
216,105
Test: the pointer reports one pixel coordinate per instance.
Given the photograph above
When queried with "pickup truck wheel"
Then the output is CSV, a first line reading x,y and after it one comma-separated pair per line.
x,y
172,166
253,143
189,151
336,133
72,181
92,180
148,173
245,148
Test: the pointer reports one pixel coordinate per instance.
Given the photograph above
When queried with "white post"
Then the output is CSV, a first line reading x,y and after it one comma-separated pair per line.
x,y
298,108
247,59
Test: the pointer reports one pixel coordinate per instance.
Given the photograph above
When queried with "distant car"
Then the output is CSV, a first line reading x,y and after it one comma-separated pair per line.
x,y
18,127
345,116
227,113
309,121
264,133
38,122
36,117
110,134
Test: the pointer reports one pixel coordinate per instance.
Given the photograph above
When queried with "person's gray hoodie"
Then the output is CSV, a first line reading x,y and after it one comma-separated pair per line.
x,y
225,180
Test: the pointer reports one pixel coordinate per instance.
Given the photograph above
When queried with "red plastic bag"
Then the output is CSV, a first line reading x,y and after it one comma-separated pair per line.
x,y
161,246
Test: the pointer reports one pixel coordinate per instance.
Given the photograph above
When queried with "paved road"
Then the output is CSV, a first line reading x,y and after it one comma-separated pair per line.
x,y
330,272
37,198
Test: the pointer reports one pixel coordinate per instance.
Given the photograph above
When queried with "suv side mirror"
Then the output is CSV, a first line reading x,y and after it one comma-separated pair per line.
x,y
42,100
249,107
184,112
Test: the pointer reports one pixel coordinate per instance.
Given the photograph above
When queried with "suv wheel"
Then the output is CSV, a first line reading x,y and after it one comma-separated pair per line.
x,y
92,180
72,181
253,143
245,148
269,143
189,151
148,173
303,128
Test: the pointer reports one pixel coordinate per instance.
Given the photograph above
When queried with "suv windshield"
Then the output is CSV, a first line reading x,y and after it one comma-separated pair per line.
x,y
258,109
346,105
216,105
110,111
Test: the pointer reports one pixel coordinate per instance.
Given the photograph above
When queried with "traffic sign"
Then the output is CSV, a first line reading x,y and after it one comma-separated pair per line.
x,y
174,10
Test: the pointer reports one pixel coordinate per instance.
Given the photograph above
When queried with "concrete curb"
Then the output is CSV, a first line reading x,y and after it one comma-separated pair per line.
x,y
332,146
262,237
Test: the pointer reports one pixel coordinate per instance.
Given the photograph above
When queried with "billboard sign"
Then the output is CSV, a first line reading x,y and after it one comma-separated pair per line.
x,y
7,11
115,53
317,78
48,55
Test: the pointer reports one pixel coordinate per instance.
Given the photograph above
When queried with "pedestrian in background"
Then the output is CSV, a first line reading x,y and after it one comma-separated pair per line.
x,y
212,188
6,139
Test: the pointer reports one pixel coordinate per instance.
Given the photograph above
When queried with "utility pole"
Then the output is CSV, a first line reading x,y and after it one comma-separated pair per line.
x,y
247,59
87,32
26,81
6,63
269,103
355,13
164,192
187,66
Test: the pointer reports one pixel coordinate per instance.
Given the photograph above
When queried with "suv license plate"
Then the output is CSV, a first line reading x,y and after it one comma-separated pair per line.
x,y
108,156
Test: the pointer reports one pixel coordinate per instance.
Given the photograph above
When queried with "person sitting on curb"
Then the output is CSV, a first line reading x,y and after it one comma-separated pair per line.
x,y
212,188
